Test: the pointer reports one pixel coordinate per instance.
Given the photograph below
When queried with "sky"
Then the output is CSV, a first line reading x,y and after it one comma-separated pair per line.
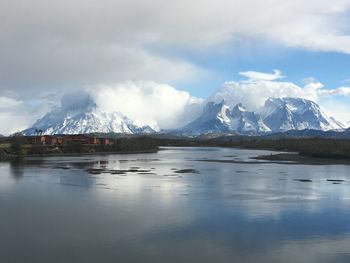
x,y
142,53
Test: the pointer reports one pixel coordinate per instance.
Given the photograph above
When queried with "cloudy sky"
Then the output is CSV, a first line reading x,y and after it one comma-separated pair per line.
x,y
150,51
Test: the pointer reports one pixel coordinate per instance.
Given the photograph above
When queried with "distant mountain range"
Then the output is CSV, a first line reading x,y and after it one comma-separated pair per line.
x,y
277,115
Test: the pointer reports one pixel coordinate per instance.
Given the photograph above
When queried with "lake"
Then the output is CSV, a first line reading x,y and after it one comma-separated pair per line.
x,y
173,206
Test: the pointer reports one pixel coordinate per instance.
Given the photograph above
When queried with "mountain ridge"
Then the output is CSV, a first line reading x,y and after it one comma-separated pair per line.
x,y
277,115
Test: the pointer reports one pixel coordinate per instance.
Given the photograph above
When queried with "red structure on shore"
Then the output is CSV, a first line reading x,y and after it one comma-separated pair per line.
x,y
64,139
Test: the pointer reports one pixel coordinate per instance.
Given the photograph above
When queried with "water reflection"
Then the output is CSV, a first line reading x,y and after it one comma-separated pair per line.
x,y
17,168
76,179
136,208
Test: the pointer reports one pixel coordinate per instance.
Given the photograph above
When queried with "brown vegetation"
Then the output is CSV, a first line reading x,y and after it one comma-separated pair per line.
x,y
313,147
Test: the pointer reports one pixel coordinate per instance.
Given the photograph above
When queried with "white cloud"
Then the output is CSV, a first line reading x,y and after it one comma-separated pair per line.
x,y
8,103
255,75
50,44
16,115
341,91
12,118
253,94
160,105
346,80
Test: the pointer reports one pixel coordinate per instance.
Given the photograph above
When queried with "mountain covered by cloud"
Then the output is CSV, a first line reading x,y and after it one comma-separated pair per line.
x,y
123,108
256,89
162,106
252,106
80,114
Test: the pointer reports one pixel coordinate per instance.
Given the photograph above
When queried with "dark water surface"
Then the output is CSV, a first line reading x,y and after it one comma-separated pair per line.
x,y
169,207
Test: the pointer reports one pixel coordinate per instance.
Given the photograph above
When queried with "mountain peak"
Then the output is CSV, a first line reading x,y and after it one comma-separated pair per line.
x,y
214,118
281,114
239,108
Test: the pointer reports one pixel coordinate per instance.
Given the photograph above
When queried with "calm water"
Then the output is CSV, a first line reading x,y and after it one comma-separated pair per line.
x,y
141,208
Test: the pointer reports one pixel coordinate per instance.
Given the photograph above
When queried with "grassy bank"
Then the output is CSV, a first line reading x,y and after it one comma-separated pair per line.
x,y
311,147
18,147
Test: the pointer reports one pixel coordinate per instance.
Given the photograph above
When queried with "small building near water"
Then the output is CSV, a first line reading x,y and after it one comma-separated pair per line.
x,y
65,139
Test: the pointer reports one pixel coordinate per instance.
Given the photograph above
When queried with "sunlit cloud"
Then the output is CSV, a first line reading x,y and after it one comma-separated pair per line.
x,y
255,75
159,105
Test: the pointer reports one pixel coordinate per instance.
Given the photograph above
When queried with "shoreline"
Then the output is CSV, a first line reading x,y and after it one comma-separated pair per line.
x,y
296,158
15,156
291,158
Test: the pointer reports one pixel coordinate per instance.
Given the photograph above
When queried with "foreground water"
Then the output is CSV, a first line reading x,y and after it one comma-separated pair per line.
x,y
173,206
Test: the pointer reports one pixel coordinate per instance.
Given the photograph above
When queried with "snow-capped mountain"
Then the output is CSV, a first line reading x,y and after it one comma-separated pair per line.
x,y
214,118
282,114
84,116
219,118
278,114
